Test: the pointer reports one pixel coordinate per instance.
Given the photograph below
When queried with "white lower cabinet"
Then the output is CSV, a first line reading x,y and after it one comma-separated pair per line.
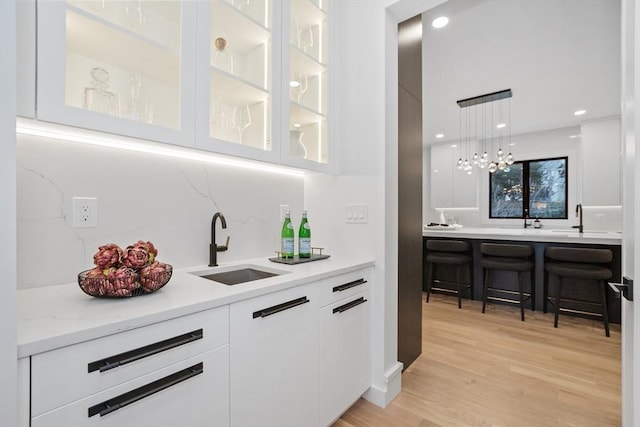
x,y
344,355
191,393
274,359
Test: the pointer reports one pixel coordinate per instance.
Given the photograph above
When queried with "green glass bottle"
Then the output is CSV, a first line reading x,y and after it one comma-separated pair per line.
x,y
287,237
304,237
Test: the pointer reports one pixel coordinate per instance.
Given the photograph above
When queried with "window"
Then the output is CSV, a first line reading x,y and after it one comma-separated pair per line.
x,y
536,187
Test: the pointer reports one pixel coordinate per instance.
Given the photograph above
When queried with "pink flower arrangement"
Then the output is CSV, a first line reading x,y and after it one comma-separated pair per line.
x,y
120,273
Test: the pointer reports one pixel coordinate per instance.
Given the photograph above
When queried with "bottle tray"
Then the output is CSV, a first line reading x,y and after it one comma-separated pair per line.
x,y
297,260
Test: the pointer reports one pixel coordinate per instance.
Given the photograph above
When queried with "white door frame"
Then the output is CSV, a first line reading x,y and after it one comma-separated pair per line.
x,y
630,325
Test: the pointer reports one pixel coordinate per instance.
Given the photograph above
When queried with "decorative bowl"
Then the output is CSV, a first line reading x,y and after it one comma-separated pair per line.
x,y
132,285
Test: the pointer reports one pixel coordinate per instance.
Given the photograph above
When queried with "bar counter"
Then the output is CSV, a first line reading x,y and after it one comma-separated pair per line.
x,y
539,239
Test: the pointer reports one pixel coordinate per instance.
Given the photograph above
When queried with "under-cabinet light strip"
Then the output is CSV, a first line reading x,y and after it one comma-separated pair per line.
x,y
27,127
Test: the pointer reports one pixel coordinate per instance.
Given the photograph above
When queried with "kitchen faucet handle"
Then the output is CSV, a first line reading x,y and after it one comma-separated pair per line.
x,y
222,248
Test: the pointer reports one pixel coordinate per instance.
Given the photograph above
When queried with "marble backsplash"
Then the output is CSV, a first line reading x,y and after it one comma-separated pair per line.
x,y
140,197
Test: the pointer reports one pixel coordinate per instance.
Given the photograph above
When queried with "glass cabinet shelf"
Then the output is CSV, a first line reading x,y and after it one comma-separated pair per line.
x,y
240,41
307,80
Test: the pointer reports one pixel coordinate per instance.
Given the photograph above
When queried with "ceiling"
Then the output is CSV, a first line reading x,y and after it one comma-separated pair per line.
x,y
557,56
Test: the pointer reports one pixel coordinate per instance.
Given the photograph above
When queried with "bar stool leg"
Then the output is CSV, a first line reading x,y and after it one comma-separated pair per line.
x,y
520,290
533,289
605,313
429,280
557,307
458,278
485,285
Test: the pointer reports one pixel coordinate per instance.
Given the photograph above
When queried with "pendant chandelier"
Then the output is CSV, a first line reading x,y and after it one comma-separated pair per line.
x,y
478,115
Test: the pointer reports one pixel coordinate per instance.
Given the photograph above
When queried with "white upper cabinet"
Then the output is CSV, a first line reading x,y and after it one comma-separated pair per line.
x,y
235,69
248,78
124,67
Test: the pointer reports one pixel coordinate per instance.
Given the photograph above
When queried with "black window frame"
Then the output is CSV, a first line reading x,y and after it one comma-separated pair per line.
x,y
525,189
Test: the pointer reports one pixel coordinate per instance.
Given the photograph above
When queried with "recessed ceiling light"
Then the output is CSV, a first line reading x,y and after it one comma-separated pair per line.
x,y
579,112
574,136
440,22
436,170
440,135
453,146
501,125
511,144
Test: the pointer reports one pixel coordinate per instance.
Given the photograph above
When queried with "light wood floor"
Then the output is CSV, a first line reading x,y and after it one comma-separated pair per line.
x,y
494,370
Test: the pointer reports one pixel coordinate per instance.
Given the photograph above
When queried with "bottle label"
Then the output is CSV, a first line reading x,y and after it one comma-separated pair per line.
x,y
304,247
287,246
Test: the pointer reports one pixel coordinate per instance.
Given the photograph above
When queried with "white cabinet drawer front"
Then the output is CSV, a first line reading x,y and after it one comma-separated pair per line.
x,y
336,288
344,355
191,393
69,373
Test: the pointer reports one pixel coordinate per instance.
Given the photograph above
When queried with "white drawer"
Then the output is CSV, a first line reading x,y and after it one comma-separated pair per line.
x,y
193,392
70,373
343,286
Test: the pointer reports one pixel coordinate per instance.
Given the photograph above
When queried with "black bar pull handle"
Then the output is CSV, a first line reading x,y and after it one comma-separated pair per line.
x,y
349,305
280,307
349,285
118,402
114,361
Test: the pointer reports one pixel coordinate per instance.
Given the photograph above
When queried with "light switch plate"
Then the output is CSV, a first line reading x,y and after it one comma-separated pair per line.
x,y
357,214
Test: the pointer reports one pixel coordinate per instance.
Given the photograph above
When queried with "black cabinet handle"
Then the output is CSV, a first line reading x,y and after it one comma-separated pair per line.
x,y
140,393
280,307
349,305
142,352
349,285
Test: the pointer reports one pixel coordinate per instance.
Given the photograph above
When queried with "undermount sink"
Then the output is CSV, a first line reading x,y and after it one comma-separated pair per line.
x,y
237,275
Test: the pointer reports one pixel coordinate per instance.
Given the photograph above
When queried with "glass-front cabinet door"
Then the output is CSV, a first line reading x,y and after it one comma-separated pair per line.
x,y
307,82
235,84
119,66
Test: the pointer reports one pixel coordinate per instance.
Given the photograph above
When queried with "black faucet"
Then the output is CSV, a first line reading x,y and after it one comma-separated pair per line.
x,y
213,247
526,216
579,214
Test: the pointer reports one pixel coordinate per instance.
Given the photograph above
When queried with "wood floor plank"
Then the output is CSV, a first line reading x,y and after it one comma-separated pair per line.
x,y
494,370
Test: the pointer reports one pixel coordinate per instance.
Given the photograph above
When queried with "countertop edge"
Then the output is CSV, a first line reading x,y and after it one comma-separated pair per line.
x,y
31,341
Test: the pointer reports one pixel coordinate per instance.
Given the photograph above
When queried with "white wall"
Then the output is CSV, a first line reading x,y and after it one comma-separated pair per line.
x,y
8,366
599,214
167,201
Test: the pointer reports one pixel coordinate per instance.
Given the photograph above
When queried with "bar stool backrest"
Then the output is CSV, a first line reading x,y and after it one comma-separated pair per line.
x,y
448,245
581,255
506,250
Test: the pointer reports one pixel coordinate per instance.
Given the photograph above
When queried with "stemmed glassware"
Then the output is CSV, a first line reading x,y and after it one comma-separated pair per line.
x,y
241,120
299,84
305,40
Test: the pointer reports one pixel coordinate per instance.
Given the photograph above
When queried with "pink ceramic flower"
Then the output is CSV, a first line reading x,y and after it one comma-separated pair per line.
x,y
108,256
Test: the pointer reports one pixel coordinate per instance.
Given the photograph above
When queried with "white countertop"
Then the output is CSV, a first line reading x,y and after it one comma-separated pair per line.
x,y
56,316
530,235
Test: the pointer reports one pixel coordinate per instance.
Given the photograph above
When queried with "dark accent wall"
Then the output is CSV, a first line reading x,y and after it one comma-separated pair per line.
x,y
409,190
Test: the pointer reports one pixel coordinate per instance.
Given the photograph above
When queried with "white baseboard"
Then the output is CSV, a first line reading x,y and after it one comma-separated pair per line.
x,y
383,395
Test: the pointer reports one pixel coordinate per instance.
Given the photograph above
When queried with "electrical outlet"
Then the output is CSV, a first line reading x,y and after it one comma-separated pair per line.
x,y
283,211
85,212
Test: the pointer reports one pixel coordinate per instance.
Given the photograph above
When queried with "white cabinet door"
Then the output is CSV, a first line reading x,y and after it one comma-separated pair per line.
x,y
123,67
344,355
236,90
23,392
274,359
193,392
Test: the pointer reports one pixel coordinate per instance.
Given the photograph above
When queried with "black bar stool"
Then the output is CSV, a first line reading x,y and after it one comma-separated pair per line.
x,y
584,264
508,257
449,252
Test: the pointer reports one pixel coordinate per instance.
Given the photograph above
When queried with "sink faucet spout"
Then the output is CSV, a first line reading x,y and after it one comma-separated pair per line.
x,y
580,227
214,248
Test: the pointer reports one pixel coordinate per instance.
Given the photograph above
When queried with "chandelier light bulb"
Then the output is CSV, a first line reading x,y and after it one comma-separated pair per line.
x,y
502,165
500,154
485,156
470,171
482,163
493,167
476,157
509,159
507,169
459,163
